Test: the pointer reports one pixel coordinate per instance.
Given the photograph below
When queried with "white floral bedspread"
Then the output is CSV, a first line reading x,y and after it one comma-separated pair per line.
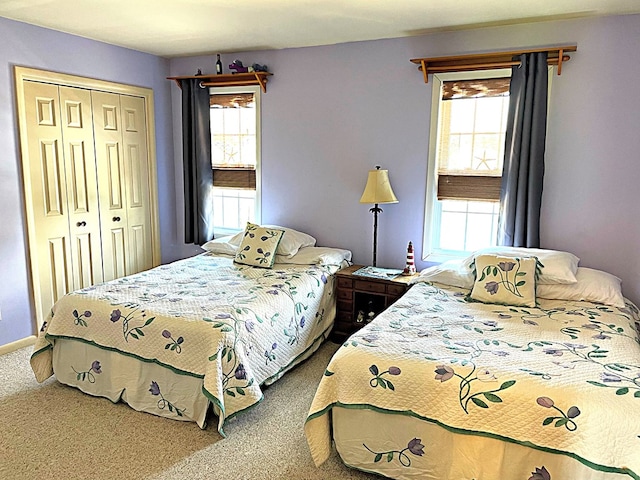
x,y
562,378
234,326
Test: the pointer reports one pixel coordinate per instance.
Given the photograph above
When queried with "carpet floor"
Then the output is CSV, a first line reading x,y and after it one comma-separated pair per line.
x,y
56,432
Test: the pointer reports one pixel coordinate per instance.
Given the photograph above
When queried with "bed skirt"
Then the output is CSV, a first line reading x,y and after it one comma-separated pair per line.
x,y
407,448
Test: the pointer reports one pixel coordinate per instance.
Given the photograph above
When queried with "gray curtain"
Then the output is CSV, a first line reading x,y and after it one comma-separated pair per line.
x,y
196,156
521,190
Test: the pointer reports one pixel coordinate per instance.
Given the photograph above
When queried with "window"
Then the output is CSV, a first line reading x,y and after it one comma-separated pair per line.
x,y
465,162
235,154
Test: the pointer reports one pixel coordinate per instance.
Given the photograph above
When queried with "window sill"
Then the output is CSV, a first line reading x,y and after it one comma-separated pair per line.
x,y
225,232
438,257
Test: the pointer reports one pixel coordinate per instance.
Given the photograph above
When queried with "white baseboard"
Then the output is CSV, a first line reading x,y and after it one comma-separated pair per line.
x,y
18,344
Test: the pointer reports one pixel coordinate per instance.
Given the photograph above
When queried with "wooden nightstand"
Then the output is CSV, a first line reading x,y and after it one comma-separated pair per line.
x,y
355,293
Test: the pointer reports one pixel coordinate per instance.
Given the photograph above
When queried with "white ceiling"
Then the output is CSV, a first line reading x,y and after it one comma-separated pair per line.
x,y
172,28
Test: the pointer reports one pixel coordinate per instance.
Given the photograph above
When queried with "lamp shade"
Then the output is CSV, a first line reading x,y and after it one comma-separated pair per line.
x,y
378,188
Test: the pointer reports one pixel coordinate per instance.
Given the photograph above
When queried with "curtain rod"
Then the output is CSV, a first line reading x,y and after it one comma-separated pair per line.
x,y
490,60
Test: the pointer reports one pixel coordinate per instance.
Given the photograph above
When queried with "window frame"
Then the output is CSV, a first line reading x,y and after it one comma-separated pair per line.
x,y
433,212
257,92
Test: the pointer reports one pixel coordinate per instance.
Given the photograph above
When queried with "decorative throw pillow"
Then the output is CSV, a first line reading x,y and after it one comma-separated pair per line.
x,y
292,241
505,280
259,245
556,266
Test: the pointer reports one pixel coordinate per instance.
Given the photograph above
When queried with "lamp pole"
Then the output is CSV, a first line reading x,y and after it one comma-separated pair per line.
x,y
375,210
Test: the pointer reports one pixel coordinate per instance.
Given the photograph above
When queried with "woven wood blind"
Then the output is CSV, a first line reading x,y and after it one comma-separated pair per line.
x,y
486,87
234,178
469,187
232,100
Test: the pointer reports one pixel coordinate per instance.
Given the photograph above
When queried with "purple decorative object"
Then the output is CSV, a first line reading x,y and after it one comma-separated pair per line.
x,y
237,67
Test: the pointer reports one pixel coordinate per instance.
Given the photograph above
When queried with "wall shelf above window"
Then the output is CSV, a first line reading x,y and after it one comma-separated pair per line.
x,y
489,61
230,79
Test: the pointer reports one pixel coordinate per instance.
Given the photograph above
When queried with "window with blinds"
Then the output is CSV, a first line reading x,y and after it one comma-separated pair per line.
x,y
234,157
469,119
472,126
233,140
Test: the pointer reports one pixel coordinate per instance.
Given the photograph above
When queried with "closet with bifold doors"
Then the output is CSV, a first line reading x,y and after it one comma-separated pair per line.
x,y
88,162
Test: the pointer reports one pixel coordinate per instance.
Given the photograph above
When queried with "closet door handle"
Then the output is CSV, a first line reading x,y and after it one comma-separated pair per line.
x,y
81,224
116,219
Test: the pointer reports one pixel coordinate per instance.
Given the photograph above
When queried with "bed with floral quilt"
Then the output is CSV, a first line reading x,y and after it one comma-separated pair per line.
x,y
444,386
199,332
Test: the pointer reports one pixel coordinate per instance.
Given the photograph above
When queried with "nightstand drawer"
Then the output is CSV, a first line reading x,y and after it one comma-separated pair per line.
x,y
344,306
343,316
345,282
370,286
396,290
345,295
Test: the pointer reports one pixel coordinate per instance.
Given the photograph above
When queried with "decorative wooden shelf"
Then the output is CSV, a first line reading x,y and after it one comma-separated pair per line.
x,y
230,79
486,61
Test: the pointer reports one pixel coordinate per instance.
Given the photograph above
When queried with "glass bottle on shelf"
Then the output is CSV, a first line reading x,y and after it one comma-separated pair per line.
x,y
219,66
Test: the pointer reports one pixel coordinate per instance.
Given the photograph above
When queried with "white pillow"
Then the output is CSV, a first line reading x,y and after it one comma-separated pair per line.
x,y
221,246
291,242
451,272
558,266
316,256
591,286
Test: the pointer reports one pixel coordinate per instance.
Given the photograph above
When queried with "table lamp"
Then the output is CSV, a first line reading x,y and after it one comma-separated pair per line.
x,y
378,190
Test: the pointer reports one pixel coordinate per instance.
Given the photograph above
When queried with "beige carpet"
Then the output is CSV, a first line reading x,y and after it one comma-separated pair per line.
x,y
56,432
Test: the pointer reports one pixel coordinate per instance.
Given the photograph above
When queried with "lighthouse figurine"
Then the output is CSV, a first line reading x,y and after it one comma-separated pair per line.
x,y
410,268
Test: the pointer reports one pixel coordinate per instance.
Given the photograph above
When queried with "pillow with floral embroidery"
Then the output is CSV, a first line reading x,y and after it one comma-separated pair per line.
x,y
258,246
292,240
505,280
555,266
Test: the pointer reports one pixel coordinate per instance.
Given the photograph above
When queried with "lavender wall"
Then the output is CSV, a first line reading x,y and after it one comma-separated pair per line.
x,y
331,113
30,46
